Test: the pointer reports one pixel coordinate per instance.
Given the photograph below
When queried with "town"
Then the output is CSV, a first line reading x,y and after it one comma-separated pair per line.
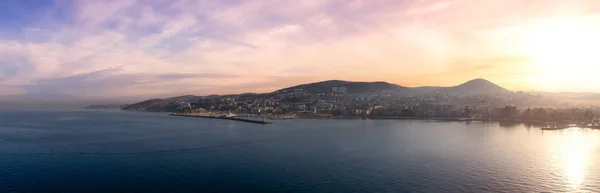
x,y
338,103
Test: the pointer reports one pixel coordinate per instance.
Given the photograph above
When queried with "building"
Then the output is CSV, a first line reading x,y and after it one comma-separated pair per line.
x,y
184,105
339,89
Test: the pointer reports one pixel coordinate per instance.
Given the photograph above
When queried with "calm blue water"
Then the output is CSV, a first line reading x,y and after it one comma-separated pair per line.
x,y
114,151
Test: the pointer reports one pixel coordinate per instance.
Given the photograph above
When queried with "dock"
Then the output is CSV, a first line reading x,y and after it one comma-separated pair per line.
x,y
568,127
264,122
554,128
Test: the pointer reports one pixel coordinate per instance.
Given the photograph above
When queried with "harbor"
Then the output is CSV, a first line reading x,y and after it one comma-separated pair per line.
x,y
225,117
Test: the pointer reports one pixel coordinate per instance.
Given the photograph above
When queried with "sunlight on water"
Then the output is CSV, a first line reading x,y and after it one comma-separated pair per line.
x,y
573,149
48,151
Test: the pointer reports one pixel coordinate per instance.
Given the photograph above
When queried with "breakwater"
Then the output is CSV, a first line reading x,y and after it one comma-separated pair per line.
x,y
224,118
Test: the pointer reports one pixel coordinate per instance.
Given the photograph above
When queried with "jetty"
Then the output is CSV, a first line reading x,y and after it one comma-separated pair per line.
x,y
264,122
555,128
570,126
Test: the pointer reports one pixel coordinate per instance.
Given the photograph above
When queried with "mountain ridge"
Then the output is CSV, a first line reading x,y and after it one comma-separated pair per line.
x,y
480,85
476,86
351,86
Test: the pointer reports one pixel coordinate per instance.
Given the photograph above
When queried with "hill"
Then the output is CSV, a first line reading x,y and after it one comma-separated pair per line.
x,y
477,86
172,103
152,105
185,98
351,87
161,105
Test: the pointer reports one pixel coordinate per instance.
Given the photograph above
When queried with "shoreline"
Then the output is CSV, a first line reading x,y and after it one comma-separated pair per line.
x,y
544,125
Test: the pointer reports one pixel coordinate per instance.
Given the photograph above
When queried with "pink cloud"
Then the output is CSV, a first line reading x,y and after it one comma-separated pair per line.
x,y
380,40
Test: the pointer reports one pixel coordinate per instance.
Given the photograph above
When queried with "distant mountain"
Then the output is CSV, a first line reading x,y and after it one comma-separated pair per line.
x,y
110,106
152,105
160,105
185,98
351,87
477,86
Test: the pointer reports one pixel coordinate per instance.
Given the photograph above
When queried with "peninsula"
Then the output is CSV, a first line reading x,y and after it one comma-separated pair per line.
x,y
477,99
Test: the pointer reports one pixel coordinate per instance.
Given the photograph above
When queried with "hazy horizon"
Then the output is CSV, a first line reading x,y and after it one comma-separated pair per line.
x,y
60,101
129,48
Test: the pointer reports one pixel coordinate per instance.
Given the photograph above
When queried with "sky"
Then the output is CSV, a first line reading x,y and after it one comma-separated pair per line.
x,y
117,48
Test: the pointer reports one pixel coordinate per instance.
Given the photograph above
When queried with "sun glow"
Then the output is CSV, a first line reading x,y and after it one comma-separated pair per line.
x,y
565,52
573,149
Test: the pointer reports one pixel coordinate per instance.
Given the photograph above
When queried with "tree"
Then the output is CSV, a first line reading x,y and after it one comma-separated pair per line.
x,y
527,114
540,114
336,112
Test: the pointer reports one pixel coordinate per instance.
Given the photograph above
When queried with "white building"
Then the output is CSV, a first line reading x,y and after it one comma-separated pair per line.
x,y
184,105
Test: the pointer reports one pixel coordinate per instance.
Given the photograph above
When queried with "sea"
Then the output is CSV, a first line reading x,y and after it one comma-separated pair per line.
x,y
119,151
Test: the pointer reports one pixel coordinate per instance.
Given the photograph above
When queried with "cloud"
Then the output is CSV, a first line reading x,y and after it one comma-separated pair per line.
x,y
134,47
116,82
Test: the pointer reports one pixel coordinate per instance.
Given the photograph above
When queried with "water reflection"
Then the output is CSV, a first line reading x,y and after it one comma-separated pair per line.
x,y
509,124
573,150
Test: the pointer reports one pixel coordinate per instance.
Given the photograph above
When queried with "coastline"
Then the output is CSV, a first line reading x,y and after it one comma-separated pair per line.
x,y
544,125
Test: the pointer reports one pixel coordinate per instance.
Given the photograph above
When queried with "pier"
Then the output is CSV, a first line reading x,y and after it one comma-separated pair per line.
x,y
570,126
264,122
